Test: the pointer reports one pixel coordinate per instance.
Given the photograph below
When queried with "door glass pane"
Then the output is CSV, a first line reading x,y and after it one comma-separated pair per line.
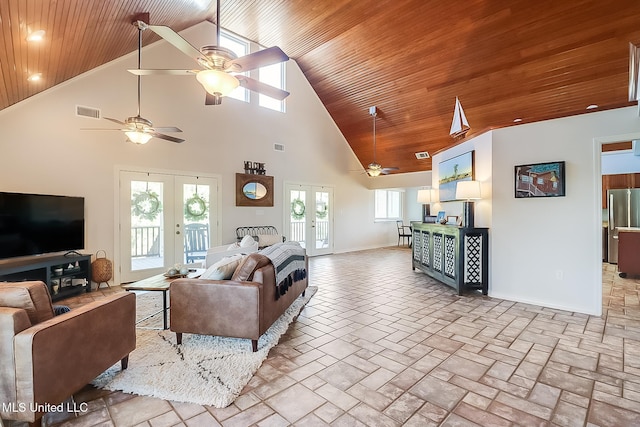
x,y
196,212
147,225
298,214
322,219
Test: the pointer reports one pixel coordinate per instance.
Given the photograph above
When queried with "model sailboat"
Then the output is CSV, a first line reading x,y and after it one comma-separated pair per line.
x,y
460,125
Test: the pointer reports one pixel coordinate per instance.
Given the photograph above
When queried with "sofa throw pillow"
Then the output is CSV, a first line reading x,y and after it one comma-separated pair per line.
x,y
33,297
247,241
223,269
248,266
269,239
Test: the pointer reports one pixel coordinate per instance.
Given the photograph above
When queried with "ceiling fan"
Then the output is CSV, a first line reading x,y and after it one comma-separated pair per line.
x,y
138,129
221,66
375,169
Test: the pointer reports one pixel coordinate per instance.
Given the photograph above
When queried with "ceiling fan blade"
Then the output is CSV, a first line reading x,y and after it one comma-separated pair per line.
x,y
166,137
176,39
115,121
163,72
167,129
262,58
263,88
386,171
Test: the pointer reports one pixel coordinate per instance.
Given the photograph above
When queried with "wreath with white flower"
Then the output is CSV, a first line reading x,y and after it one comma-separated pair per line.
x,y
321,210
297,209
146,205
195,208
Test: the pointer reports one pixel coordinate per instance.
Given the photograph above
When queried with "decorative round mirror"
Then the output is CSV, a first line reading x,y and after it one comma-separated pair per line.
x,y
254,190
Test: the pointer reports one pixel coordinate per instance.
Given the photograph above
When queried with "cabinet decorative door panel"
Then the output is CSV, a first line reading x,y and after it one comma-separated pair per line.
x,y
437,252
450,262
417,244
473,255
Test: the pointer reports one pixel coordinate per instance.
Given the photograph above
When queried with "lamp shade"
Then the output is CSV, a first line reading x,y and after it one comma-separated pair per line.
x,y
424,196
468,190
138,137
217,82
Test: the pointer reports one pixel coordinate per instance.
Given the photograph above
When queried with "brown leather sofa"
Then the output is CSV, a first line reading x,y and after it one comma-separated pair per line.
x,y
243,307
47,358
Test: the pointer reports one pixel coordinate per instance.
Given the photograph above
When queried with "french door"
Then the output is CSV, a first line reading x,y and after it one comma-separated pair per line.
x,y
309,217
164,220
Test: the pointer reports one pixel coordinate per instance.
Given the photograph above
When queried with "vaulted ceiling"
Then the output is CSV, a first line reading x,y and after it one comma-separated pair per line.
x,y
504,59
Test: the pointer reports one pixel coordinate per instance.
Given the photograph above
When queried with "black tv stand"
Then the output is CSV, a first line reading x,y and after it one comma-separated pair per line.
x,y
64,275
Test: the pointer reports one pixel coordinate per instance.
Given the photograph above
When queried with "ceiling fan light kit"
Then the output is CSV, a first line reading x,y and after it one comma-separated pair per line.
x,y
138,137
217,83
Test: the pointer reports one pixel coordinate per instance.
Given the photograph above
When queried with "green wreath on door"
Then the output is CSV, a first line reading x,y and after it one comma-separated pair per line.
x,y
297,209
195,208
146,205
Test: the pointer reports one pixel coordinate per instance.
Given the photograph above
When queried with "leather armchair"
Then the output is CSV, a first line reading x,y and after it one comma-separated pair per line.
x,y
46,358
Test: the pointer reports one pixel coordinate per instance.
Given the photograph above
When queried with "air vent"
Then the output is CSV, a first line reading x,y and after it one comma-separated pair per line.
x,y
278,147
422,155
92,113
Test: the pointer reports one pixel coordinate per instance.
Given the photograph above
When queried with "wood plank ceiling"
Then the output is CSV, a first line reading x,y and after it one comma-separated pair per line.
x,y
504,59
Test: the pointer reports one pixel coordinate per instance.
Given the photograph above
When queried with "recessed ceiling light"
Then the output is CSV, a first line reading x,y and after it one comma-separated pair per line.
x,y
592,106
36,36
35,77
518,120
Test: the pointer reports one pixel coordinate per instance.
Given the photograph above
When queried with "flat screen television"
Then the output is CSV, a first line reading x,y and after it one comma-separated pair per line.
x,y
34,224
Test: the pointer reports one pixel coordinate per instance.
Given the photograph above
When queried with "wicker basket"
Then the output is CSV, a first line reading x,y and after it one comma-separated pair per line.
x,y
101,269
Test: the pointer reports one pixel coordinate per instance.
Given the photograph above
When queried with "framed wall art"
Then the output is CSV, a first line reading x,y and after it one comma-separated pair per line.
x,y
254,190
451,171
540,180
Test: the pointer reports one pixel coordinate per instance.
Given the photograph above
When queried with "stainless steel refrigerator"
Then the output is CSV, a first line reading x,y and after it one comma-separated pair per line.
x,y
624,211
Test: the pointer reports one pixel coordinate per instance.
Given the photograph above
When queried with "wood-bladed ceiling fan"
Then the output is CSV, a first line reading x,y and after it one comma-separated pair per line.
x,y
138,129
221,66
374,168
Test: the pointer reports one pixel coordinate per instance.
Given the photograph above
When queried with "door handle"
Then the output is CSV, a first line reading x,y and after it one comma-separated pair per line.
x,y
611,226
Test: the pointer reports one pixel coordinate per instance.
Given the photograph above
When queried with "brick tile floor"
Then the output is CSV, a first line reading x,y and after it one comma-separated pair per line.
x,y
382,345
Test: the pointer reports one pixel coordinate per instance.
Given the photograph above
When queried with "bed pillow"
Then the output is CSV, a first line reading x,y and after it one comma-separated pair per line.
x,y
269,239
247,241
223,269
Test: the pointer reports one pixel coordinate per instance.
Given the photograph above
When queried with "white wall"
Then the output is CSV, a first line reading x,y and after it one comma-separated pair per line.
x,y
483,159
547,251
44,149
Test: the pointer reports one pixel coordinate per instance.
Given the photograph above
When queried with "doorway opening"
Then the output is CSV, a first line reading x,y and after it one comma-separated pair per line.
x,y
164,219
614,178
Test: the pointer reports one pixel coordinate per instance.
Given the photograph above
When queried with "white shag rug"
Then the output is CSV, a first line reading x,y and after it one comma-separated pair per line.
x,y
206,370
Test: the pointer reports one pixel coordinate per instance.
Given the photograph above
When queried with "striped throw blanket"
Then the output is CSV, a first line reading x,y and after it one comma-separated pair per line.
x,y
288,259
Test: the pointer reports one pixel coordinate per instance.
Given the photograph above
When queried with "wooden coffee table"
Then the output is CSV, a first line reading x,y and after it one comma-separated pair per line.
x,y
159,283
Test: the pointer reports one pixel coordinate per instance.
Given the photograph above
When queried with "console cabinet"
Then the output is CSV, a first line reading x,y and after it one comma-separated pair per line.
x,y
455,256
65,275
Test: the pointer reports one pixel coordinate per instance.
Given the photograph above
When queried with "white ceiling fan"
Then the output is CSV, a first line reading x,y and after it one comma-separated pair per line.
x,y
374,168
221,66
138,129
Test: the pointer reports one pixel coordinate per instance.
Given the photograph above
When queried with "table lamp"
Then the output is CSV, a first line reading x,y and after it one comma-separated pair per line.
x,y
426,196
468,191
